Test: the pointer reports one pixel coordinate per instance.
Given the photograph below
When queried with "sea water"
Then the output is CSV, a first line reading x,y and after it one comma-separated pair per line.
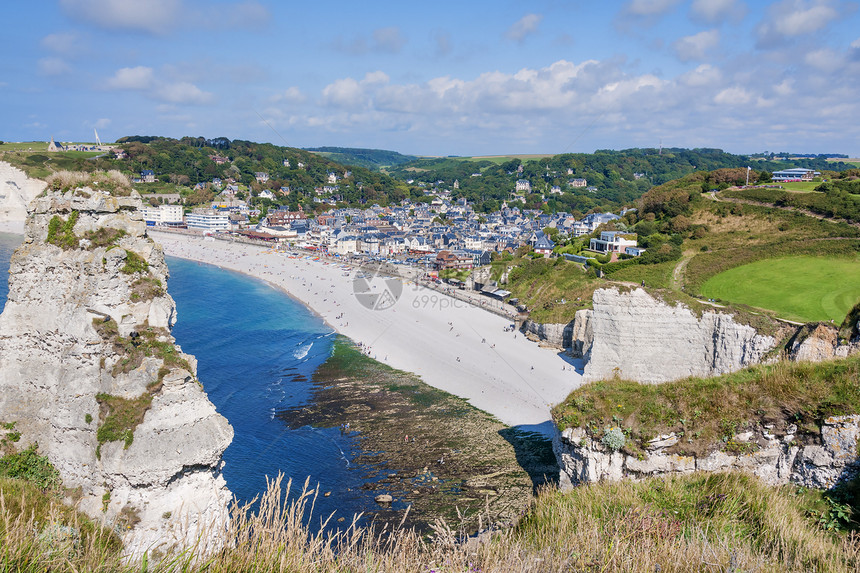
x,y
256,351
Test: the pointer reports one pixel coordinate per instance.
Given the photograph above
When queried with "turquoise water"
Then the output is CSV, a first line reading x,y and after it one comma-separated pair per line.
x,y
256,352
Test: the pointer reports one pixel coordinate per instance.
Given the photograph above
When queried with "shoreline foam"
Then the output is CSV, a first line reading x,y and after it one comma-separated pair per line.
x,y
451,345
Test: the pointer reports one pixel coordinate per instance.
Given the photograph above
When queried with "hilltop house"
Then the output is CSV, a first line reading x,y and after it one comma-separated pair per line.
x,y
613,242
523,185
544,245
147,176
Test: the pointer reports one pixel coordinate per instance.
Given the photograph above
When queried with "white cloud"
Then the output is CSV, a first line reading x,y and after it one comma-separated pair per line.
x,y
388,40
162,16
182,92
137,78
153,16
703,76
291,95
696,46
784,88
61,42
349,93
648,7
856,44
523,27
824,59
102,123
143,79
734,95
792,18
249,14
714,11
53,67
382,40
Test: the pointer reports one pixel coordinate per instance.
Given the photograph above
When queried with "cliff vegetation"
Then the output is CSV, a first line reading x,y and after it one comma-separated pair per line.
x,y
707,412
701,522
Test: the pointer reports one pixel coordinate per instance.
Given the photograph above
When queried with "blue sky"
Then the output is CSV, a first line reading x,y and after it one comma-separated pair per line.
x,y
439,78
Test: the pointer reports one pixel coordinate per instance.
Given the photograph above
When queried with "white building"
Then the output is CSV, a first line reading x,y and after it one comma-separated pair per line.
x,y
523,185
613,242
208,220
163,215
795,174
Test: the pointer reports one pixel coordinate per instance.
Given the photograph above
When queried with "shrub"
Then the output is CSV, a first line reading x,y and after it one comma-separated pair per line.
x,y
30,466
104,237
61,233
146,288
613,439
134,263
120,417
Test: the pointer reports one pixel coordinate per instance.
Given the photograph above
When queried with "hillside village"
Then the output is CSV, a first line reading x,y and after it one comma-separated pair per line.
x,y
443,230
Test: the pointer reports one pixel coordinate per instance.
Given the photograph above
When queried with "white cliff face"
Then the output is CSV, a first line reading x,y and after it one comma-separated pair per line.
x,y
638,337
777,459
16,192
59,359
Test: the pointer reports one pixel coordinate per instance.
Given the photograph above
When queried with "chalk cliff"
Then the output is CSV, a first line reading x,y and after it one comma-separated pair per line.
x,y
640,337
778,457
16,192
90,371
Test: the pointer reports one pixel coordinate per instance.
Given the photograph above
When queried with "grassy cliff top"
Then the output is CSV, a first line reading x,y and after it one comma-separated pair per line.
x,y
705,412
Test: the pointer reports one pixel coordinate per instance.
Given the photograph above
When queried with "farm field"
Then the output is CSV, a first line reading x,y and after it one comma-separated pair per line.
x,y
797,288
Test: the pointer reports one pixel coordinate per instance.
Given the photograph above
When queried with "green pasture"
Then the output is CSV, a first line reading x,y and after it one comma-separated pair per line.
x,y
499,159
800,186
800,288
24,146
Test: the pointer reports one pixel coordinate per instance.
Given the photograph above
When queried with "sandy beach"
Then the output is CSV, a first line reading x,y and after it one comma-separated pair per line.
x,y
450,344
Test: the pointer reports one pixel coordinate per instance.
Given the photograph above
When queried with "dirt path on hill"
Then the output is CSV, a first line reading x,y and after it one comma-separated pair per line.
x,y
678,271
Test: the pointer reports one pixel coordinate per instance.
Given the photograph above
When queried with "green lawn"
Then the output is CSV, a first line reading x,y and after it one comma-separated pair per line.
x,y
24,146
800,186
797,288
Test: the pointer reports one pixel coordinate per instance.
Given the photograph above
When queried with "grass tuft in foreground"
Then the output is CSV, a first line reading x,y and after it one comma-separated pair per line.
x,y
699,522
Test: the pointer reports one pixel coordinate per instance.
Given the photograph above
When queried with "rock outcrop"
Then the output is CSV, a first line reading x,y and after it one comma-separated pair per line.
x,y
639,337
573,337
16,192
817,342
90,372
552,335
775,458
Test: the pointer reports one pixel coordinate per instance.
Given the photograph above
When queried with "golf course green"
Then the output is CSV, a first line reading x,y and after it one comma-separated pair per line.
x,y
796,288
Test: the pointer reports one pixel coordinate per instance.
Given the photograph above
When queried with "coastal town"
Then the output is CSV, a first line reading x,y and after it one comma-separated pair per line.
x,y
440,234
